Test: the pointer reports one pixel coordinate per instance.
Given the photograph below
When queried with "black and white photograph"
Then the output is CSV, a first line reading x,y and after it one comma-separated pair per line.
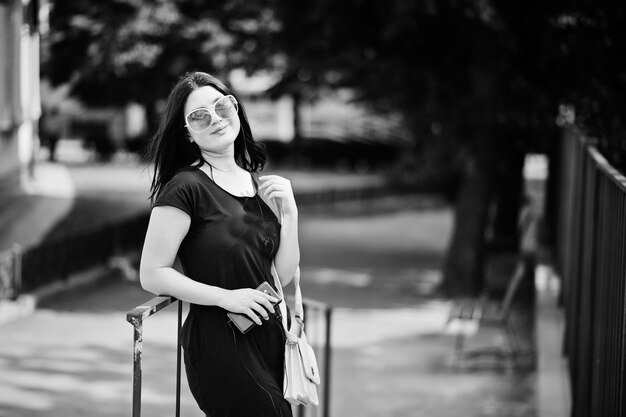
x,y
331,208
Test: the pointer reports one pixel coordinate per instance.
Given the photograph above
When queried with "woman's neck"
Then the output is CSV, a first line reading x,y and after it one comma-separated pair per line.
x,y
221,162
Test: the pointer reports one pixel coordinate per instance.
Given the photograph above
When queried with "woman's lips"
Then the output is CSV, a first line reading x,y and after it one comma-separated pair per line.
x,y
220,129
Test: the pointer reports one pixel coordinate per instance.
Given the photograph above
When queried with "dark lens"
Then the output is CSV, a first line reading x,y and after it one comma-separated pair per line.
x,y
226,107
199,119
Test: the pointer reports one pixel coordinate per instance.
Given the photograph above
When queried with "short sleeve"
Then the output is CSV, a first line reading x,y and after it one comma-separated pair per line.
x,y
179,192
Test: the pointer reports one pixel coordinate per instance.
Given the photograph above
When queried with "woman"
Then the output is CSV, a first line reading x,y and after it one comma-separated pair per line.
x,y
211,210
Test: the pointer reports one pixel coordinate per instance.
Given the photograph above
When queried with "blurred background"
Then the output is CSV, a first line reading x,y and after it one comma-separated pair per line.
x,y
433,146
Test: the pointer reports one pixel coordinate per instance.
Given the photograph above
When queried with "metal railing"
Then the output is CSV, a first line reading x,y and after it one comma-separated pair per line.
x,y
591,257
318,322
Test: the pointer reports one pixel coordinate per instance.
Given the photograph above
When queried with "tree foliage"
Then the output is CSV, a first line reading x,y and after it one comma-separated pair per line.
x,y
485,80
116,51
487,77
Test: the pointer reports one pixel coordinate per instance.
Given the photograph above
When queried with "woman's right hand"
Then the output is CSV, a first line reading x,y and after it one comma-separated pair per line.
x,y
251,302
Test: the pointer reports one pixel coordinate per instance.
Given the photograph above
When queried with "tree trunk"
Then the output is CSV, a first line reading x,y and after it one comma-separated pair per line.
x,y
508,189
463,267
297,128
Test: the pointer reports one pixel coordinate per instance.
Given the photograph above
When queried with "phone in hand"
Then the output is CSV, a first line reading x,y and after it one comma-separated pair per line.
x,y
242,321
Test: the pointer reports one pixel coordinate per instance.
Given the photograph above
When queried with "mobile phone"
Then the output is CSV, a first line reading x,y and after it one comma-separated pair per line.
x,y
242,321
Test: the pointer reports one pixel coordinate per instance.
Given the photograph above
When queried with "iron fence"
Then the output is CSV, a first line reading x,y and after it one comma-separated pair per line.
x,y
28,268
591,257
318,322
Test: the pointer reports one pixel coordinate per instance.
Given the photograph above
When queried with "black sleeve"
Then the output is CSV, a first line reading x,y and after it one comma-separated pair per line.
x,y
179,192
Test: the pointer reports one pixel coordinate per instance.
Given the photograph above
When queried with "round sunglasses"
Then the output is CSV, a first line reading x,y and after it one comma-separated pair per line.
x,y
200,119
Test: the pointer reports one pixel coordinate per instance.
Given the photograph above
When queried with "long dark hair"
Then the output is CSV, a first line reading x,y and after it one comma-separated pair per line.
x,y
169,149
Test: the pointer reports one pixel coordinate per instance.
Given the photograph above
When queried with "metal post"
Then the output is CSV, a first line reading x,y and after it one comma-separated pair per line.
x,y
136,318
178,355
327,353
137,356
306,310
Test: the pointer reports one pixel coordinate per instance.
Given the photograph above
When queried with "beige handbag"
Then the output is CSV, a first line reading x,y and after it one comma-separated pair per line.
x,y
301,372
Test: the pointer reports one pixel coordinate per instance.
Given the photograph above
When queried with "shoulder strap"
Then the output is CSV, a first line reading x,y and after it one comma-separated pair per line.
x,y
270,203
255,180
298,307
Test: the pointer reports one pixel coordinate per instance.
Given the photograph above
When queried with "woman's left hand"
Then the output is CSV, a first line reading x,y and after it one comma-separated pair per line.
x,y
279,188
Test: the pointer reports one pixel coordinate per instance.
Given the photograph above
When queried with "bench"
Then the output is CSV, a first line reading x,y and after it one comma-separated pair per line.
x,y
467,315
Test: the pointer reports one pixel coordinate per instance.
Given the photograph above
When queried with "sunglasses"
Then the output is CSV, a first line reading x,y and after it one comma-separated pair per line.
x,y
200,119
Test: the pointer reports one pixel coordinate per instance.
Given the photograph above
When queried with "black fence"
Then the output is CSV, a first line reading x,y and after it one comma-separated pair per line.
x,y
28,268
591,257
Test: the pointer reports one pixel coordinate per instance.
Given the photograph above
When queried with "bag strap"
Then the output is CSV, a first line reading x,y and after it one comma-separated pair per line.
x,y
298,307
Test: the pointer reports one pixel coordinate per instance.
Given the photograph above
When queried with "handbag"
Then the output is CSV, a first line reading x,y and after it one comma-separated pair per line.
x,y
301,372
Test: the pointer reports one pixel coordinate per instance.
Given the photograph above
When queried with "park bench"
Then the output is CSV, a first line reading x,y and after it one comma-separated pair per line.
x,y
10,273
467,315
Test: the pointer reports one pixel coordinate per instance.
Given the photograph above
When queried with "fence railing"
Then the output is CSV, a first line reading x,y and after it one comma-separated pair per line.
x,y
31,267
591,257
318,322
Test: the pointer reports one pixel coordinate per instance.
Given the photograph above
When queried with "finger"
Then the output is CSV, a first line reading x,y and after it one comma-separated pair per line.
x,y
278,195
251,313
267,296
271,177
273,187
260,310
270,183
266,301
267,305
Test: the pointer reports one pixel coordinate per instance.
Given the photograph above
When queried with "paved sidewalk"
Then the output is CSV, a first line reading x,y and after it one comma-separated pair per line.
x,y
553,393
72,358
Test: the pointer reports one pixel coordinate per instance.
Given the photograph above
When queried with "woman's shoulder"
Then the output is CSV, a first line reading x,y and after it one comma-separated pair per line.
x,y
185,178
187,175
182,190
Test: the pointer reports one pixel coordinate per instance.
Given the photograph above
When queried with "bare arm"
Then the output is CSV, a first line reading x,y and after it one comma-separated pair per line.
x,y
278,189
167,228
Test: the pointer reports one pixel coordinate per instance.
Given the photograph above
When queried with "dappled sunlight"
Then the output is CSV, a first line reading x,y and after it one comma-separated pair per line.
x,y
18,397
84,367
416,378
361,327
336,276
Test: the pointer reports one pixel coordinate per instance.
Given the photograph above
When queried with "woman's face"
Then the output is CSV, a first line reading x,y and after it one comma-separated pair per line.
x,y
220,132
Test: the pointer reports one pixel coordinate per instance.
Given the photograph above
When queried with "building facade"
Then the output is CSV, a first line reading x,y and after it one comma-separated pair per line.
x,y
20,106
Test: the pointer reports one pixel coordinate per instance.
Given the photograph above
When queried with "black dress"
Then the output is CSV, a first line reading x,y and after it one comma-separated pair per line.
x,y
230,244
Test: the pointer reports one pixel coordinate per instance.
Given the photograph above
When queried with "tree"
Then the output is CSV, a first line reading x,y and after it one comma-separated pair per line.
x,y
481,79
486,77
118,51
459,73
590,42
